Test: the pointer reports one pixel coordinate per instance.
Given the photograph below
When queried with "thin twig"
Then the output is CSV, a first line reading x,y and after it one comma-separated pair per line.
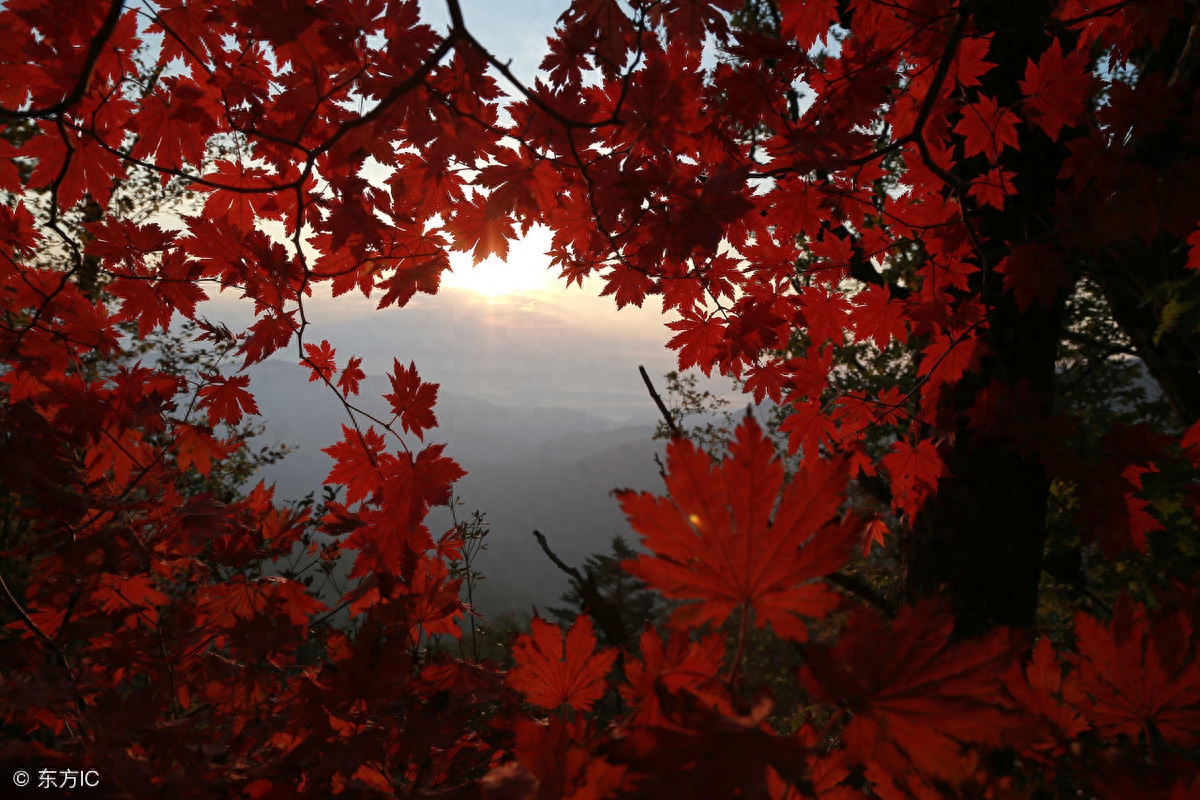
x,y
607,616
662,407
558,562
859,587
28,620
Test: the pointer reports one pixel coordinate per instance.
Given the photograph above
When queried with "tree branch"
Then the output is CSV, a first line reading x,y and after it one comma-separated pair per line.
x,y
597,606
859,587
85,76
28,620
558,562
662,407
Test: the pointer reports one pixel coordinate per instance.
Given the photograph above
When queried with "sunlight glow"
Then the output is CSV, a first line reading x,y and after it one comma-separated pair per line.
x,y
495,279
526,270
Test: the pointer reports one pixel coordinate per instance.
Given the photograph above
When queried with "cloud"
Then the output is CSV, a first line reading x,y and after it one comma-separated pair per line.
x,y
543,348
556,347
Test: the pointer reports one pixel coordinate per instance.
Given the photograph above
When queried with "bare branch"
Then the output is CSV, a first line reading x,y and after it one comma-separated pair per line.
x,y
662,407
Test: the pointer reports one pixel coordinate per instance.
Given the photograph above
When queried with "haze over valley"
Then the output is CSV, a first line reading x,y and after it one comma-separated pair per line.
x,y
551,468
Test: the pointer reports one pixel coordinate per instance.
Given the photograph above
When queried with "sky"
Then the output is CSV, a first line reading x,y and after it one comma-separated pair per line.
x,y
515,29
506,331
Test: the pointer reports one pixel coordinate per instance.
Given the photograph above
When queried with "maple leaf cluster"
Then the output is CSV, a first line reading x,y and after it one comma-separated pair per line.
x,y
946,183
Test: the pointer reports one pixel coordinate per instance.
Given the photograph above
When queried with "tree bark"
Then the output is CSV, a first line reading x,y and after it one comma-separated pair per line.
x,y
979,540
1173,357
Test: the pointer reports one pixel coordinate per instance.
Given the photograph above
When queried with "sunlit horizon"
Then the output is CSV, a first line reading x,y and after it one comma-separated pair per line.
x,y
525,270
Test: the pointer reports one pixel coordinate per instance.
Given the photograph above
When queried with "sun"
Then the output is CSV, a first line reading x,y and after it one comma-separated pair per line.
x,y
495,279
526,270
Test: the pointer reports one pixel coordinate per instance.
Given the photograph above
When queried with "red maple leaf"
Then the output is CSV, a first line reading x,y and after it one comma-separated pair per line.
x,y
270,333
356,464
947,357
987,129
135,596
1139,674
766,379
970,62
176,283
1057,88
719,537
706,752
18,234
226,398
826,315
242,599
878,317
125,243
677,664
243,197
552,669
351,375
806,21
1193,260
808,377
409,278
411,399
74,166
482,231
290,599
195,446
992,188
1034,272
141,302
915,711
1110,512
402,490
521,185
175,123
597,25
1039,690
694,21
430,598
554,759
320,359
808,427
423,481
1190,444
873,535
698,340
238,598
629,286
915,470
189,30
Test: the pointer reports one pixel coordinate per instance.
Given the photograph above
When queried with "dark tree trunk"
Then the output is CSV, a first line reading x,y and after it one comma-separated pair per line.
x,y
1172,357
1140,275
979,541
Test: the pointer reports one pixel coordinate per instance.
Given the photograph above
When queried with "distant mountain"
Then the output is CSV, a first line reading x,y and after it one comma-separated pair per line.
x,y
306,418
571,503
578,445
551,468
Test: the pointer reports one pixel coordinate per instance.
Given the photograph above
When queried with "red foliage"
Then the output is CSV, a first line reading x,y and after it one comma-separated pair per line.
x,y
1140,675
720,539
780,199
552,671
890,701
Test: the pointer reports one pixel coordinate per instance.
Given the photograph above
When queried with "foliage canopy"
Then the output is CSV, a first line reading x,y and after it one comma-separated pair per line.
x,y
932,185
